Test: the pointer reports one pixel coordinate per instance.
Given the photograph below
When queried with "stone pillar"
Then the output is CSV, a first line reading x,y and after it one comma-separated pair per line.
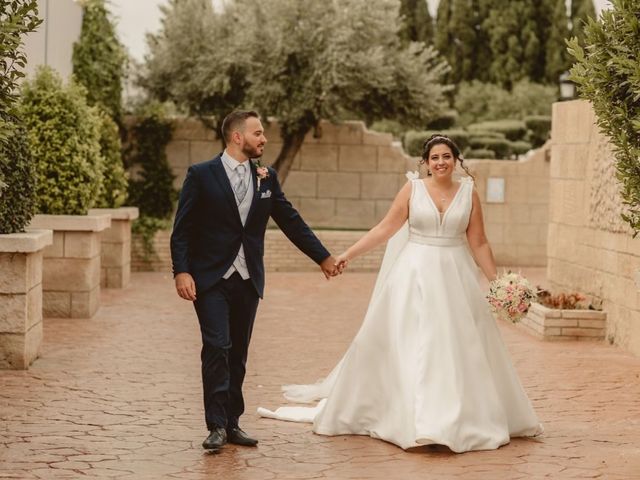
x,y
21,297
71,270
115,267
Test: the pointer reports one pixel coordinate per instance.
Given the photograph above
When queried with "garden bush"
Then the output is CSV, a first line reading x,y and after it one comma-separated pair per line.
x,y
17,168
445,121
501,147
389,126
539,128
63,135
512,129
151,189
480,154
413,140
520,147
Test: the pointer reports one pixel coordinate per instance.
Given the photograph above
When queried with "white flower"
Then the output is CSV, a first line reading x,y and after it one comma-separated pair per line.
x,y
412,175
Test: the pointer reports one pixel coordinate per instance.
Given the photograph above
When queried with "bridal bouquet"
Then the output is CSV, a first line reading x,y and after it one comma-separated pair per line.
x,y
510,296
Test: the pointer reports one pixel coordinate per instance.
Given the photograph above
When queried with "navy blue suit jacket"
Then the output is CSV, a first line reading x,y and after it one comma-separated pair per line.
x,y
208,232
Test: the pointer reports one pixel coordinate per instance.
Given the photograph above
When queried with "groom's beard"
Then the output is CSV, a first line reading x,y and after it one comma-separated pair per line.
x,y
252,152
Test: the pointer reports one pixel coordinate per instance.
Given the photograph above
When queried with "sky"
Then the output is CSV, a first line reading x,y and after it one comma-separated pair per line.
x,y
137,17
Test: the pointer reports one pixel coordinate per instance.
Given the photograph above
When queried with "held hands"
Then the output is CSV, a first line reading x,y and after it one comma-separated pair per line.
x,y
185,286
341,262
329,268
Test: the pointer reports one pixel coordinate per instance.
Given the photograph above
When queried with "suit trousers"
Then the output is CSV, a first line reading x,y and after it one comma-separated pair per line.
x,y
226,313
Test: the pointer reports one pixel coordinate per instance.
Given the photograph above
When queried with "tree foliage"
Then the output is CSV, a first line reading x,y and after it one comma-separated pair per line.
x,y
17,170
99,59
192,61
113,189
297,60
151,188
556,57
63,133
607,71
417,23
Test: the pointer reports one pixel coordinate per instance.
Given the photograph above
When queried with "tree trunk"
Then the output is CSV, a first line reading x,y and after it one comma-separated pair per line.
x,y
290,148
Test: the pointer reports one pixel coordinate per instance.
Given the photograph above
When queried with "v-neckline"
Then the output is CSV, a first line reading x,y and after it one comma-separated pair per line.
x,y
443,215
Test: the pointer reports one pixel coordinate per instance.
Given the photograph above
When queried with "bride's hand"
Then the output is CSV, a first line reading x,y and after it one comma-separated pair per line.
x,y
341,262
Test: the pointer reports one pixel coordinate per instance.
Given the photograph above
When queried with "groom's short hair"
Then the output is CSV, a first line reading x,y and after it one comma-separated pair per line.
x,y
234,121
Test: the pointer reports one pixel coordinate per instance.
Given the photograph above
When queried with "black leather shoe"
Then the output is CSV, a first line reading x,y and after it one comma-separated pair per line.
x,y
238,437
217,439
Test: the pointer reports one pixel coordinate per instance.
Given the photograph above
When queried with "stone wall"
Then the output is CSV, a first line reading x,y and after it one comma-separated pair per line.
x,y
590,249
347,179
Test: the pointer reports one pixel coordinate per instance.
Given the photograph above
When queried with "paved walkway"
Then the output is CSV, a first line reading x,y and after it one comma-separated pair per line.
x,y
119,396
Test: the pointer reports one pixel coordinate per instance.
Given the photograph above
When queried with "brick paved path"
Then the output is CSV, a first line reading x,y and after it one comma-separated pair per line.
x,y
119,396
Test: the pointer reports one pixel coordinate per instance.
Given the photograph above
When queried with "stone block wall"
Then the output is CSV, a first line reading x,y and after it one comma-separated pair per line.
x,y
21,297
115,259
347,178
590,249
71,271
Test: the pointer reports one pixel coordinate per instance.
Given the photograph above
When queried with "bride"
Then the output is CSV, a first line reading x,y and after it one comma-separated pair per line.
x,y
428,365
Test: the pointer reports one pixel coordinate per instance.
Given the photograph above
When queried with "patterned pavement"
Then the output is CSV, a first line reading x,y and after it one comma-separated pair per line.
x,y
119,396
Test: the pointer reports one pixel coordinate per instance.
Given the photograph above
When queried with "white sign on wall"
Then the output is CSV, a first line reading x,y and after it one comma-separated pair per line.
x,y
495,190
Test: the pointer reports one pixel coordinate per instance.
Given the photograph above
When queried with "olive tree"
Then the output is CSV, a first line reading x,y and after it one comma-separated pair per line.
x,y
297,60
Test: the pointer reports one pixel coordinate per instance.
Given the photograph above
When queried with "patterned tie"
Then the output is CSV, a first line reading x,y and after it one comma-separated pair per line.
x,y
240,188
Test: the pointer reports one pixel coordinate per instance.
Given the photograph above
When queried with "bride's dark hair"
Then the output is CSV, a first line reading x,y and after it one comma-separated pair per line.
x,y
439,139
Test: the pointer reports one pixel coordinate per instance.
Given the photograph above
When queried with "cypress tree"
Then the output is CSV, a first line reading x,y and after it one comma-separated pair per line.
x,y
515,46
417,23
556,54
461,54
443,38
99,58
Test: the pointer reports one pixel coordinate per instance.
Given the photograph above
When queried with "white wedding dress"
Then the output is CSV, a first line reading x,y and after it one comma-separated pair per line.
x,y
428,365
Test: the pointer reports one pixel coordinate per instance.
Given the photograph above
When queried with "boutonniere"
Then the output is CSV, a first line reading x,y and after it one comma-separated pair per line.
x,y
262,172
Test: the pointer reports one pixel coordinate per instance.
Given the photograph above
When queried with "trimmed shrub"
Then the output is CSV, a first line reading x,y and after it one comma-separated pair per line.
x,y
485,134
480,154
539,128
151,190
413,140
501,147
63,134
445,121
18,171
512,129
113,191
388,126
520,147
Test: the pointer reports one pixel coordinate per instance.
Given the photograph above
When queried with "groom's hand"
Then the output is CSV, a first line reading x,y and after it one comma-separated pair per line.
x,y
185,286
328,267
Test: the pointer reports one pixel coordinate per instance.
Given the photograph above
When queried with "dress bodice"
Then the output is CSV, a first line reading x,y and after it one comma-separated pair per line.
x,y
427,225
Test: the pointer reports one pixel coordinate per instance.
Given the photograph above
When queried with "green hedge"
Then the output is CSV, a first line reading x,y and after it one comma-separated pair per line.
x,y
485,134
388,126
445,121
501,147
18,171
539,128
520,147
413,140
480,154
113,191
63,134
512,129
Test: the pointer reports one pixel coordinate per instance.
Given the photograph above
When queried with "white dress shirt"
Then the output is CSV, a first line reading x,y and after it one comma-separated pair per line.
x,y
230,164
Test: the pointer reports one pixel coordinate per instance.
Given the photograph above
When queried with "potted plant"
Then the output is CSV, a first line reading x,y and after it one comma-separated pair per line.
x,y
565,316
63,134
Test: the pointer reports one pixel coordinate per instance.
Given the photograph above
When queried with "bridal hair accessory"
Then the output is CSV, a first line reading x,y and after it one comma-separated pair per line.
x,y
262,172
510,296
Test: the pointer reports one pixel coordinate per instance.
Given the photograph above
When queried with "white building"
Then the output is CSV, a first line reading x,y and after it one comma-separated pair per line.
x,y
52,43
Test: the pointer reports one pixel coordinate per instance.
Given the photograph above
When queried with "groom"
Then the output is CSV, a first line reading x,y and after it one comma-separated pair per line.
x,y
217,247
